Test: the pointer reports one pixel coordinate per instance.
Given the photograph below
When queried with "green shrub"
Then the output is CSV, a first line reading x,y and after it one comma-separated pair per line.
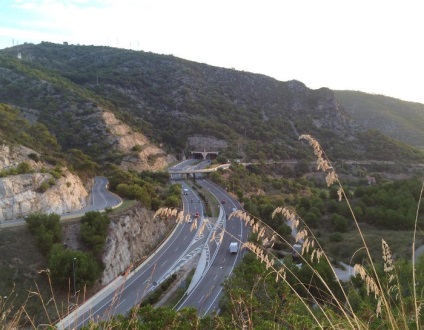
x,y
44,186
23,168
137,148
46,229
93,230
335,237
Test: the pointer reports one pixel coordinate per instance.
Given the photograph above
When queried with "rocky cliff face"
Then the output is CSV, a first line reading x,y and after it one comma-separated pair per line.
x,y
20,194
132,235
140,154
12,156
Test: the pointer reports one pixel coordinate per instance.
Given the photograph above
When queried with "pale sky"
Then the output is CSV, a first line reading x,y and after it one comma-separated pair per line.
x,y
367,45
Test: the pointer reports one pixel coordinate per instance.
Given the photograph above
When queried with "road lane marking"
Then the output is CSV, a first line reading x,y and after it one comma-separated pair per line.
x,y
120,303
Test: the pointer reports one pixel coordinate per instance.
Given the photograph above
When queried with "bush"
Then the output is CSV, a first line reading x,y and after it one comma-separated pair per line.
x,y
339,222
24,168
94,227
335,237
46,229
63,262
137,148
34,157
45,185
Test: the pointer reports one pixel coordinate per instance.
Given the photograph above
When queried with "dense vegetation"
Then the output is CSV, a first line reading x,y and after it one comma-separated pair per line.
x,y
152,189
382,206
15,129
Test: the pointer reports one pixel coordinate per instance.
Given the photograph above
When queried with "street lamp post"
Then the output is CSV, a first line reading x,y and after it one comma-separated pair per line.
x,y
73,268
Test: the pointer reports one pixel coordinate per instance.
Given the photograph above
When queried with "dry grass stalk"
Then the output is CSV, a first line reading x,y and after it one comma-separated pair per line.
x,y
417,307
268,259
373,283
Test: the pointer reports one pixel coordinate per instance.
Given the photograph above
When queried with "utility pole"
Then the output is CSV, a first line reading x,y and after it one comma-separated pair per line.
x,y
73,268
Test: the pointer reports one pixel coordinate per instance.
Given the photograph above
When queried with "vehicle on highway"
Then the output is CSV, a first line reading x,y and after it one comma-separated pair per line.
x,y
233,247
196,215
222,202
185,191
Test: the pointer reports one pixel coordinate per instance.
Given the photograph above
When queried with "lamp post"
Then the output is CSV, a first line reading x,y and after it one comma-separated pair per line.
x,y
73,268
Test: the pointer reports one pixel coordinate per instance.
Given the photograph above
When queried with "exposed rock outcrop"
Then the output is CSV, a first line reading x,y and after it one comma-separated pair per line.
x,y
21,195
132,235
140,153
12,156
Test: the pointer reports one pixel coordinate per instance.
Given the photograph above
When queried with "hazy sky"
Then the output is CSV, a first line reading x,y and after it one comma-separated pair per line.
x,y
373,46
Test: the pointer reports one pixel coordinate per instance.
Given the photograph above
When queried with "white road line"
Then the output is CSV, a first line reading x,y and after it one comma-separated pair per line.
x,y
120,303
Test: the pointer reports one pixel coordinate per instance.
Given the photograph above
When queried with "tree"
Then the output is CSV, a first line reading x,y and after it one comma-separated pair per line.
x,y
172,201
94,227
339,222
62,262
46,229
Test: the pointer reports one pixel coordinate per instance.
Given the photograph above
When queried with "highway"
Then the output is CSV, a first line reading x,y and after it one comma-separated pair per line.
x,y
216,263
128,290
219,263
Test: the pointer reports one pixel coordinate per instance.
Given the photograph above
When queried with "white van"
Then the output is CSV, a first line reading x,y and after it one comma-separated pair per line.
x,y
233,247
185,191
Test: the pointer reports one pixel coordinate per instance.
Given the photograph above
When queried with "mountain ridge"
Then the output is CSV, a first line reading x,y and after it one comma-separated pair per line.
x,y
169,99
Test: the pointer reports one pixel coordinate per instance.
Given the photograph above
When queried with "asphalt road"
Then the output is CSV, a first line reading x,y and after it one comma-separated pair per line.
x,y
127,291
184,243
220,263
130,290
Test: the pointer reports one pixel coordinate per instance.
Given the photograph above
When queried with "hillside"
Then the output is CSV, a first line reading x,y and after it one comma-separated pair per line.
x,y
401,120
166,100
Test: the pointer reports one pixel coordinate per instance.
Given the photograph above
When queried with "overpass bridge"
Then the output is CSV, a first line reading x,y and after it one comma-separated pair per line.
x,y
203,170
